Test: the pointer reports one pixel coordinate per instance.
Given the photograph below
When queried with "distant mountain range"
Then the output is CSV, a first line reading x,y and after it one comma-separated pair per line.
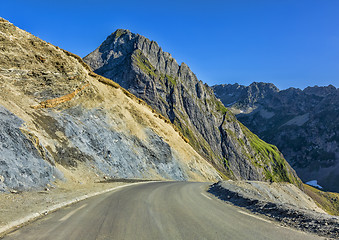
x,y
304,124
144,69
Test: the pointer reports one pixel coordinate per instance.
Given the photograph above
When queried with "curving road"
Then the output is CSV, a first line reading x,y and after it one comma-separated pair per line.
x,y
156,210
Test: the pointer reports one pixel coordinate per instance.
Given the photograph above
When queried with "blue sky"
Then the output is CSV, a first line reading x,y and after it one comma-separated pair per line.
x,y
289,43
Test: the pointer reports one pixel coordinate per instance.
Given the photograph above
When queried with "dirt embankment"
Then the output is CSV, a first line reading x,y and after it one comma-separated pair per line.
x,y
55,112
282,202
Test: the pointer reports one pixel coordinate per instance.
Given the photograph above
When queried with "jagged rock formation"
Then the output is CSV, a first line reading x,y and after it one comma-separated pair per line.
x,y
57,116
304,124
142,67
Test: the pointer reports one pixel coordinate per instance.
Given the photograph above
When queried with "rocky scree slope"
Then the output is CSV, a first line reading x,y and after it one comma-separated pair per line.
x,y
57,116
282,202
304,124
142,67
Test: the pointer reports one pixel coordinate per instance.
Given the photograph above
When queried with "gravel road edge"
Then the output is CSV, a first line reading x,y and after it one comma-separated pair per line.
x,y
324,225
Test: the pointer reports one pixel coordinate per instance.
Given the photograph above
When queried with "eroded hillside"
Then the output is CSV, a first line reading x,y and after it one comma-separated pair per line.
x,y
57,115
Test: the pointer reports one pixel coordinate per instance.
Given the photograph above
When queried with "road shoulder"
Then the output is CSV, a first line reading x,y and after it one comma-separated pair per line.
x,y
19,209
287,215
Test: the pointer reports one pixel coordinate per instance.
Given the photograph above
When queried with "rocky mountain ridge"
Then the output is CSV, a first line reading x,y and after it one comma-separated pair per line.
x,y
143,68
304,124
60,121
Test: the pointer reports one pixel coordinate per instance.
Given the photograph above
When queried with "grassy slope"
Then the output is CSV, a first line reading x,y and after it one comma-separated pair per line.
x,y
270,155
328,201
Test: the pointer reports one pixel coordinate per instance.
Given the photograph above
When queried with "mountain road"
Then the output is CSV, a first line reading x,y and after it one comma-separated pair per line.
x,y
155,210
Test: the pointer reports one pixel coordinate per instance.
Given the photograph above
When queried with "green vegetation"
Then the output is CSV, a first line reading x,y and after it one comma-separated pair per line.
x,y
201,146
227,165
171,79
144,64
328,201
226,172
186,132
220,107
269,156
119,32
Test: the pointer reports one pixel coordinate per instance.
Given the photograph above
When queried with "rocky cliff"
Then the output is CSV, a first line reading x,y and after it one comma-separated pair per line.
x,y
57,116
142,67
304,124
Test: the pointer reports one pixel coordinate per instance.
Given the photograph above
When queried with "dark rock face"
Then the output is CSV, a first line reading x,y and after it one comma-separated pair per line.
x,y
304,124
142,67
249,95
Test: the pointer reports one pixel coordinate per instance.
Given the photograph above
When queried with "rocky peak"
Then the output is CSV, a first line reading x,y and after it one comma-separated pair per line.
x,y
321,91
261,86
141,66
245,97
257,91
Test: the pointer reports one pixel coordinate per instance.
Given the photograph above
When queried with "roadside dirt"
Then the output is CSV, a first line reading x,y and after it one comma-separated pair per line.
x,y
17,205
14,206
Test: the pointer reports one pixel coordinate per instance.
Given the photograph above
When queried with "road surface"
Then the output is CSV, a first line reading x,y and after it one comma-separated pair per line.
x,y
156,210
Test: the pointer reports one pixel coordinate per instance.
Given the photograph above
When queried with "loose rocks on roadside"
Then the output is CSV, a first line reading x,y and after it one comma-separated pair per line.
x,y
288,215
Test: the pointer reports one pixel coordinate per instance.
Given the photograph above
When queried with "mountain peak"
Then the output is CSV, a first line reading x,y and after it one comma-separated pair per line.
x,y
320,90
141,66
263,85
147,55
119,32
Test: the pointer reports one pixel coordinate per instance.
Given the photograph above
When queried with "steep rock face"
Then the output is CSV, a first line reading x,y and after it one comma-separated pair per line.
x,y
56,115
304,124
143,68
15,145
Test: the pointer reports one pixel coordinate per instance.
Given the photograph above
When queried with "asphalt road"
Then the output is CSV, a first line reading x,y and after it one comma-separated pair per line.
x,y
156,210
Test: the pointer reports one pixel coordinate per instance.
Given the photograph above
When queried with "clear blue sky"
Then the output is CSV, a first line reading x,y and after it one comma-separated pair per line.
x,y
291,43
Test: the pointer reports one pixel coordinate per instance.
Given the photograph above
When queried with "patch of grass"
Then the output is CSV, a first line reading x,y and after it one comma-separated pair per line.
x,y
171,79
220,107
119,33
270,155
187,133
226,163
328,201
143,63
268,175
228,168
199,144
